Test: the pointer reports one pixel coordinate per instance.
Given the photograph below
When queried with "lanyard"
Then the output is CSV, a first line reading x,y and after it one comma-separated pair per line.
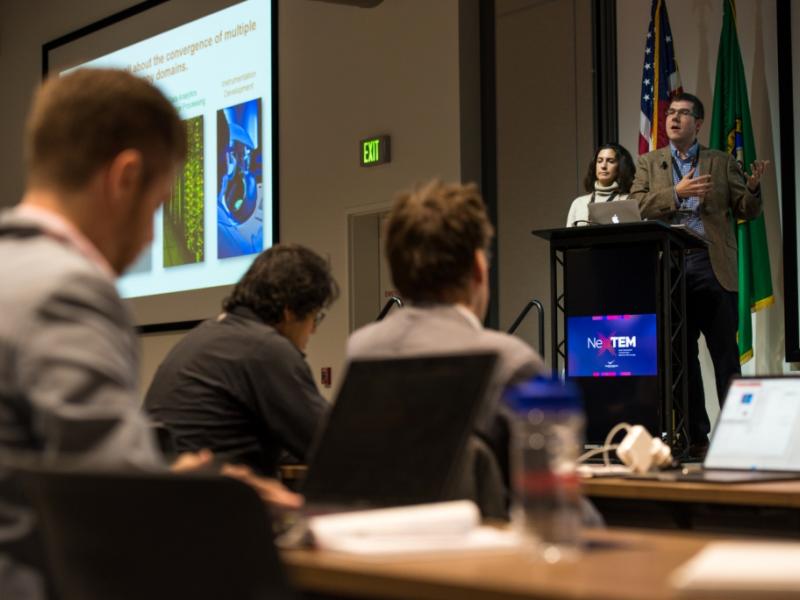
x,y
676,170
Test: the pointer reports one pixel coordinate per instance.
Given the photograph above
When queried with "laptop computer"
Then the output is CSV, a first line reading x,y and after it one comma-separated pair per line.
x,y
757,435
398,431
618,211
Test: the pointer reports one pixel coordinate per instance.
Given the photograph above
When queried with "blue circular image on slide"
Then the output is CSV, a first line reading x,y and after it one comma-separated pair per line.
x,y
239,185
240,202
240,213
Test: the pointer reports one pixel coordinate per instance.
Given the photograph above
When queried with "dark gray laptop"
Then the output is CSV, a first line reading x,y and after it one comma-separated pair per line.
x,y
398,431
618,211
757,435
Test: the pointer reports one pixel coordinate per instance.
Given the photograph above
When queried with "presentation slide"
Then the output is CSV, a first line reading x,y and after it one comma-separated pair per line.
x,y
612,346
217,70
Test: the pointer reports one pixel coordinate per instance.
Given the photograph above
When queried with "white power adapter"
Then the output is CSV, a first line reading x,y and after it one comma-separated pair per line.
x,y
640,451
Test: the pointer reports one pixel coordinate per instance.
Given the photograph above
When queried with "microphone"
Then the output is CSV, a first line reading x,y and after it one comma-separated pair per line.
x,y
664,165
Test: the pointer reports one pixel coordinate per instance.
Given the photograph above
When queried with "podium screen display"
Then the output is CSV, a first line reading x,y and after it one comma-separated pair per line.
x,y
612,337
612,346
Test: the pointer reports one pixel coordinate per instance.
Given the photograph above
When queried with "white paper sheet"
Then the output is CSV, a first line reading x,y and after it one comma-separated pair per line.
x,y
728,568
440,527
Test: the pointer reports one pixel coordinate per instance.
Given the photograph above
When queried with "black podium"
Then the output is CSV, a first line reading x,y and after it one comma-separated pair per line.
x,y
618,324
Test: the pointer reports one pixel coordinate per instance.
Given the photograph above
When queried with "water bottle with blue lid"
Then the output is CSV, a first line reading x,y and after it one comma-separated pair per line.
x,y
548,429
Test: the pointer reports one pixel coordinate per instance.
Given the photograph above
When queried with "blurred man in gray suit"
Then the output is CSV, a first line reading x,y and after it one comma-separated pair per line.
x,y
102,148
101,151
437,243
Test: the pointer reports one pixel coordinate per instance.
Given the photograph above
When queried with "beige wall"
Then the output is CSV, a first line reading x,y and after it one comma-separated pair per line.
x,y
544,141
346,73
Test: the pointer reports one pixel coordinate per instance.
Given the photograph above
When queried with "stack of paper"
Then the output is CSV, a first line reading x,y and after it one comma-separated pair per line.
x,y
728,569
440,527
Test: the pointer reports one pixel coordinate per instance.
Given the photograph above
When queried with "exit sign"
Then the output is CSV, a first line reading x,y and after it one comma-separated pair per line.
x,y
374,151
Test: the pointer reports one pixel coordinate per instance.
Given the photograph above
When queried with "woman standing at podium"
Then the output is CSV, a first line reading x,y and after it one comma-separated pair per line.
x,y
608,178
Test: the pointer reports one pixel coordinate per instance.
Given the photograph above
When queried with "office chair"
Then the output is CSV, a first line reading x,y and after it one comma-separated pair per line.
x,y
155,536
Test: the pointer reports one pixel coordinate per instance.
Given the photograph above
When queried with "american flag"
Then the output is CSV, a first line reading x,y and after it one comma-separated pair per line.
x,y
660,79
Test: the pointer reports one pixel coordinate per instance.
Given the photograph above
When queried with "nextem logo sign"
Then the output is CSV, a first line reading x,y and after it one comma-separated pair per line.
x,y
621,345
610,343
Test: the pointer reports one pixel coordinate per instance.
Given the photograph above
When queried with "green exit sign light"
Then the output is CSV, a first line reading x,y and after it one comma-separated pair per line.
x,y
374,151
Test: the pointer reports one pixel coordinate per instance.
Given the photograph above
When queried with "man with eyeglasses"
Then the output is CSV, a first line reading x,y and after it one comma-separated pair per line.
x,y
238,384
705,190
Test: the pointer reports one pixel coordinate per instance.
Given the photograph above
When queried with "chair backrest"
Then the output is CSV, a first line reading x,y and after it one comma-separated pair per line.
x,y
398,431
155,536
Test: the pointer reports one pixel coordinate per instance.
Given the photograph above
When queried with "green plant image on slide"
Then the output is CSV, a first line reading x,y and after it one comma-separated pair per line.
x,y
184,211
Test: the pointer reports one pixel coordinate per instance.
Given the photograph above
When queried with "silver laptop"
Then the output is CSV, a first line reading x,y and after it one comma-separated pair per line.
x,y
618,211
757,435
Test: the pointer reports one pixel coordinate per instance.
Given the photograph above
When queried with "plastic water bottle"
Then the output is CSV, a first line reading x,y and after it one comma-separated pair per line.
x,y
548,429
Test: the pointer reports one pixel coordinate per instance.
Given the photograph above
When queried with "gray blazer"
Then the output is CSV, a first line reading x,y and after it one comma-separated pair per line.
x,y
729,200
68,355
439,329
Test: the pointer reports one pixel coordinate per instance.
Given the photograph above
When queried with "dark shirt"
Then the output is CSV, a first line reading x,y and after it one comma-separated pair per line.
x,y
236,386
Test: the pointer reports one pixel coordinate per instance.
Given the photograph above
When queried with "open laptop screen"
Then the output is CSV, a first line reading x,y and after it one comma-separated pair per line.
x,y
619,211
759,426
398,430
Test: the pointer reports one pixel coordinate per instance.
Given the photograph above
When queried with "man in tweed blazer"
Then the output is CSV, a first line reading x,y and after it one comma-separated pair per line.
x,y
706,191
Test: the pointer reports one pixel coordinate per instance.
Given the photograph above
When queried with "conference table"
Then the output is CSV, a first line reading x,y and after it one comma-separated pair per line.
x,y
617,564
765,508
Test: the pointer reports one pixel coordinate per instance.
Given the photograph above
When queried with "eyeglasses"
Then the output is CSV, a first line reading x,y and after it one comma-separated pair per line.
x,y
319,317
683,112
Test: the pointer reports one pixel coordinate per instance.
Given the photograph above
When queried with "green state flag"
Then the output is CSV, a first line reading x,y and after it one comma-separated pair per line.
x,y
732,132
